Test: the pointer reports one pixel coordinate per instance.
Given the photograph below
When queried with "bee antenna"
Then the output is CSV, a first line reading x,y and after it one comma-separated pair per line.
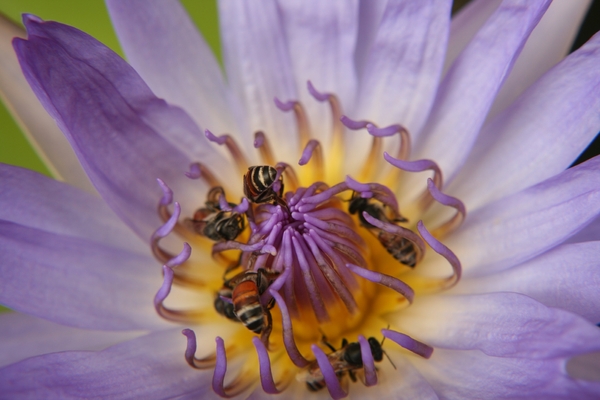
x,y
383,340
388,357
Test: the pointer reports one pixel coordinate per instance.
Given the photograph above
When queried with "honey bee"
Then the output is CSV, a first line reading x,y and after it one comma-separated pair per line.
x,y
258,184
347,359
244,290
214,223
400,248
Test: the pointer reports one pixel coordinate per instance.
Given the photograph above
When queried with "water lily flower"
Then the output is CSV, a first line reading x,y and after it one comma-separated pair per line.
x,y
374,203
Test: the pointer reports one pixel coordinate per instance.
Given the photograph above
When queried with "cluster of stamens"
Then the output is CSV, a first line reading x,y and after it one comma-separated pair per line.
x,y
296,260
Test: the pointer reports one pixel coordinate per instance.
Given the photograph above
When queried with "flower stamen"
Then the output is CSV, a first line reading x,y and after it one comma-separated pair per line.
x,y
301,118
262,144
236,153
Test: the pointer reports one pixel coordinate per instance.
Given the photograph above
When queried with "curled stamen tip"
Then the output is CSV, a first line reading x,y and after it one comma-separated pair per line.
x,y
215,139
194,172
259,139
408,343
287,106
191,346
442,250
316,94
168,226
167,197
182,257
387,131
352,124
165,288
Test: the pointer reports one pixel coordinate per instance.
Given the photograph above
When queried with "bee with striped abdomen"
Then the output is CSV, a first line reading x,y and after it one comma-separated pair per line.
x,y
402,249
259,183
244,290
214,223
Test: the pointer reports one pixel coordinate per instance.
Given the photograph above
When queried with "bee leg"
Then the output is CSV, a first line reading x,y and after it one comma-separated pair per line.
x,y
352,375
264,336
326,343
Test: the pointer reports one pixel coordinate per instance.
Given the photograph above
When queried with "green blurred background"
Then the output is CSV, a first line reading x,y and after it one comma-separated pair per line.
x,y
90,16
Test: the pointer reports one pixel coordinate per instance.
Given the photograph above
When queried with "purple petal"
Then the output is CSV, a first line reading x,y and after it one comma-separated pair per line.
x,y
470,86
474,375
590,233
166,49
541,133
518,227
464,26
565,277
152,366
23,336
404,63
48,141
112,120
500,325
321,37
547,45
259,68
31,199
75,281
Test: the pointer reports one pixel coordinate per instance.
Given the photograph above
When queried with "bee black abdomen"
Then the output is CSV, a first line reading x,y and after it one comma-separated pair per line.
x,y
258,184
401,249
225,308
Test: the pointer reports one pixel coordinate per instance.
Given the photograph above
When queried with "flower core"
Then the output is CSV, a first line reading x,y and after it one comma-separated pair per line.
x,y
308,264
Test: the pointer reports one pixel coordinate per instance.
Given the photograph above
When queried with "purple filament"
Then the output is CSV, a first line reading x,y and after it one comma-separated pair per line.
x,y
314,93
331,274
195,172
408,343
167,197
220,369
287,106
352,124
288,333
442,250
164,290
368,362
259,139
416,166
308,151
266,375
376,190
168,226
190,352
220,140
315,297
396,230
182,257
329,375
383,132
445,199
384,280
